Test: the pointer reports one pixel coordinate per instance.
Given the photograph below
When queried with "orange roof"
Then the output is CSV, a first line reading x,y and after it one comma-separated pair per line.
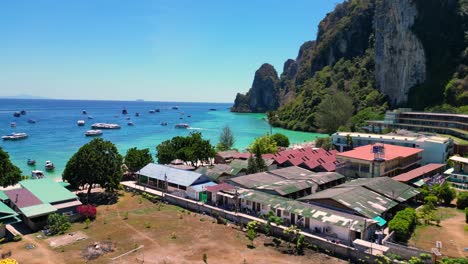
x,y
418,172
391,152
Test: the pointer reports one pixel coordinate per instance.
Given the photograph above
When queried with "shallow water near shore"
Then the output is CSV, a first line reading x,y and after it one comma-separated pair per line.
x,y
55,136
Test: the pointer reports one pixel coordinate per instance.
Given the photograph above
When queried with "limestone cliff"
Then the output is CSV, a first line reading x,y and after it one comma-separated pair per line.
x,y
263,96
400,62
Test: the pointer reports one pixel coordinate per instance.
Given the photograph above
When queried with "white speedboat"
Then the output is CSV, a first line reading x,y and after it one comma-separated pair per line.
x,y
49,165
37,174
80,122
15,136
182,126
105,126
93,133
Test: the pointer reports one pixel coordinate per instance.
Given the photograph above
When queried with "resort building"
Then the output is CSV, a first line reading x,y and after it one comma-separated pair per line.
x,y
378,160
436,149
167,178
325,222
38,198
290,182
455,125
458,175
314,159
353,200
419,176
221,172
222,195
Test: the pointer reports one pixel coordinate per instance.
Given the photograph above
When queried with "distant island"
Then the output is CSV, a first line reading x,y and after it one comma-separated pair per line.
x,y
22,96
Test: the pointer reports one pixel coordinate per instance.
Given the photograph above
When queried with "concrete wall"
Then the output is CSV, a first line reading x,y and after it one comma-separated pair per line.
x,y
402,250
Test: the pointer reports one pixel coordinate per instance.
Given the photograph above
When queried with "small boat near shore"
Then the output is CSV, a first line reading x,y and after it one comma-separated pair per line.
x,y
37,174
31,162
105,126
90,117
93,133
49,165
163,123
212,109
157,110
84,112
31,121
137,114
175,108
151,111
124,111
130,124
13,124
17,114
23,112
181,125
15,136
80,122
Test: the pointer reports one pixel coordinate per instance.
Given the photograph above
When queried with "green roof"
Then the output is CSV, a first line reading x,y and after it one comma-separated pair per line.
x,y
37,210
317,213
357,198
386,186
6,212
286,187
48,191
64,184
3,196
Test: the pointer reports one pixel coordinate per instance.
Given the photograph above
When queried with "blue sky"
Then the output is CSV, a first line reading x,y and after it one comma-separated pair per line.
x,y
164,50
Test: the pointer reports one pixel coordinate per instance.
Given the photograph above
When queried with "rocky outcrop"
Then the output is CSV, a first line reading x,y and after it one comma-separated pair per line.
x,y
263,96
400,62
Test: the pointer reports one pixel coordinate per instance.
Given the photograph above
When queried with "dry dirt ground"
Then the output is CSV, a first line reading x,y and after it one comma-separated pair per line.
x,y
168,234
450,232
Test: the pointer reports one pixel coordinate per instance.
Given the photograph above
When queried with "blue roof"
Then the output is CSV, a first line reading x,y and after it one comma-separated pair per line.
x,y
201,187
380,221
176,176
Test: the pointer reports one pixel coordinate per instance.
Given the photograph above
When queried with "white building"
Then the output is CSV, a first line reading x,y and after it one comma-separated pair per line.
x,y
436,149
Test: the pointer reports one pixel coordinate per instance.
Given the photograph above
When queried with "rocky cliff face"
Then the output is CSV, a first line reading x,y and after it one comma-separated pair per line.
x,y
263,96
400,62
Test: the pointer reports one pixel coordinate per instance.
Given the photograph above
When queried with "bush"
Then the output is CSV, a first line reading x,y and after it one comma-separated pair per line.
x,y
403,224
58,223
462,200
87,211
281,140
17,238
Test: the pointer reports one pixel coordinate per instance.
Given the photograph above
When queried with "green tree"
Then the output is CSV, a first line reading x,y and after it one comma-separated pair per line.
x,y
252,231
226,139
9,173
135,159
271,217
191,148
462,200
259,161
265,143
293,233
446,193
325,143
300,245
281,140
334,111
58,223
97,162
431,201
251,165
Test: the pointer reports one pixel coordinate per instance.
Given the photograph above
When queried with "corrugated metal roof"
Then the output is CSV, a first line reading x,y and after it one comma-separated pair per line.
x,y
7,211
3,196
386,186
202,187
418,172
38,210
325,215
47,190
176,176
22,197
359,199
254,180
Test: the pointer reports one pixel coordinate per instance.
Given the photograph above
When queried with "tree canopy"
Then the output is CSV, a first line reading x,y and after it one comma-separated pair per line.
x,y
265,144
135,159
281,140
226,139
97,162
334,111
191,148
9,173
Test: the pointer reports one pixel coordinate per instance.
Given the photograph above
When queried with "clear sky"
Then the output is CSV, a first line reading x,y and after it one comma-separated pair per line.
x,y
164,50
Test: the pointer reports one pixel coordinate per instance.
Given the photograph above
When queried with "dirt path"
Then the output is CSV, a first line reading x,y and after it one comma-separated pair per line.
x,y
48,254
459,240
136,231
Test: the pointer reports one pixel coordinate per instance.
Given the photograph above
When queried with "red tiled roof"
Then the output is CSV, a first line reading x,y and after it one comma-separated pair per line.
x,y
219,187
22,198
307,157
418,172
391,152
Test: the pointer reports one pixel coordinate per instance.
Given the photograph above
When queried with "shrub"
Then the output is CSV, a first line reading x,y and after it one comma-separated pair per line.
x,y
462,200
87,211
17,238
403,224
58,223
281,140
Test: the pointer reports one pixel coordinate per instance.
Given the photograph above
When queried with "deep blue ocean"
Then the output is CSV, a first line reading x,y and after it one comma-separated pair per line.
x,y
55,136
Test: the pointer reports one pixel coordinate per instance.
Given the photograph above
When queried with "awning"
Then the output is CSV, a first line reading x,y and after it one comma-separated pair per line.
x,y
380,221
419,183
225,195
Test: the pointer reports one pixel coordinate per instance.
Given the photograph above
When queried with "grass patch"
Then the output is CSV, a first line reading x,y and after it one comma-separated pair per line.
x,y
457,140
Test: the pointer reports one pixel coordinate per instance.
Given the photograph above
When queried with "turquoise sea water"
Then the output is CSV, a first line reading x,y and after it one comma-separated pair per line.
x,y
55,136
